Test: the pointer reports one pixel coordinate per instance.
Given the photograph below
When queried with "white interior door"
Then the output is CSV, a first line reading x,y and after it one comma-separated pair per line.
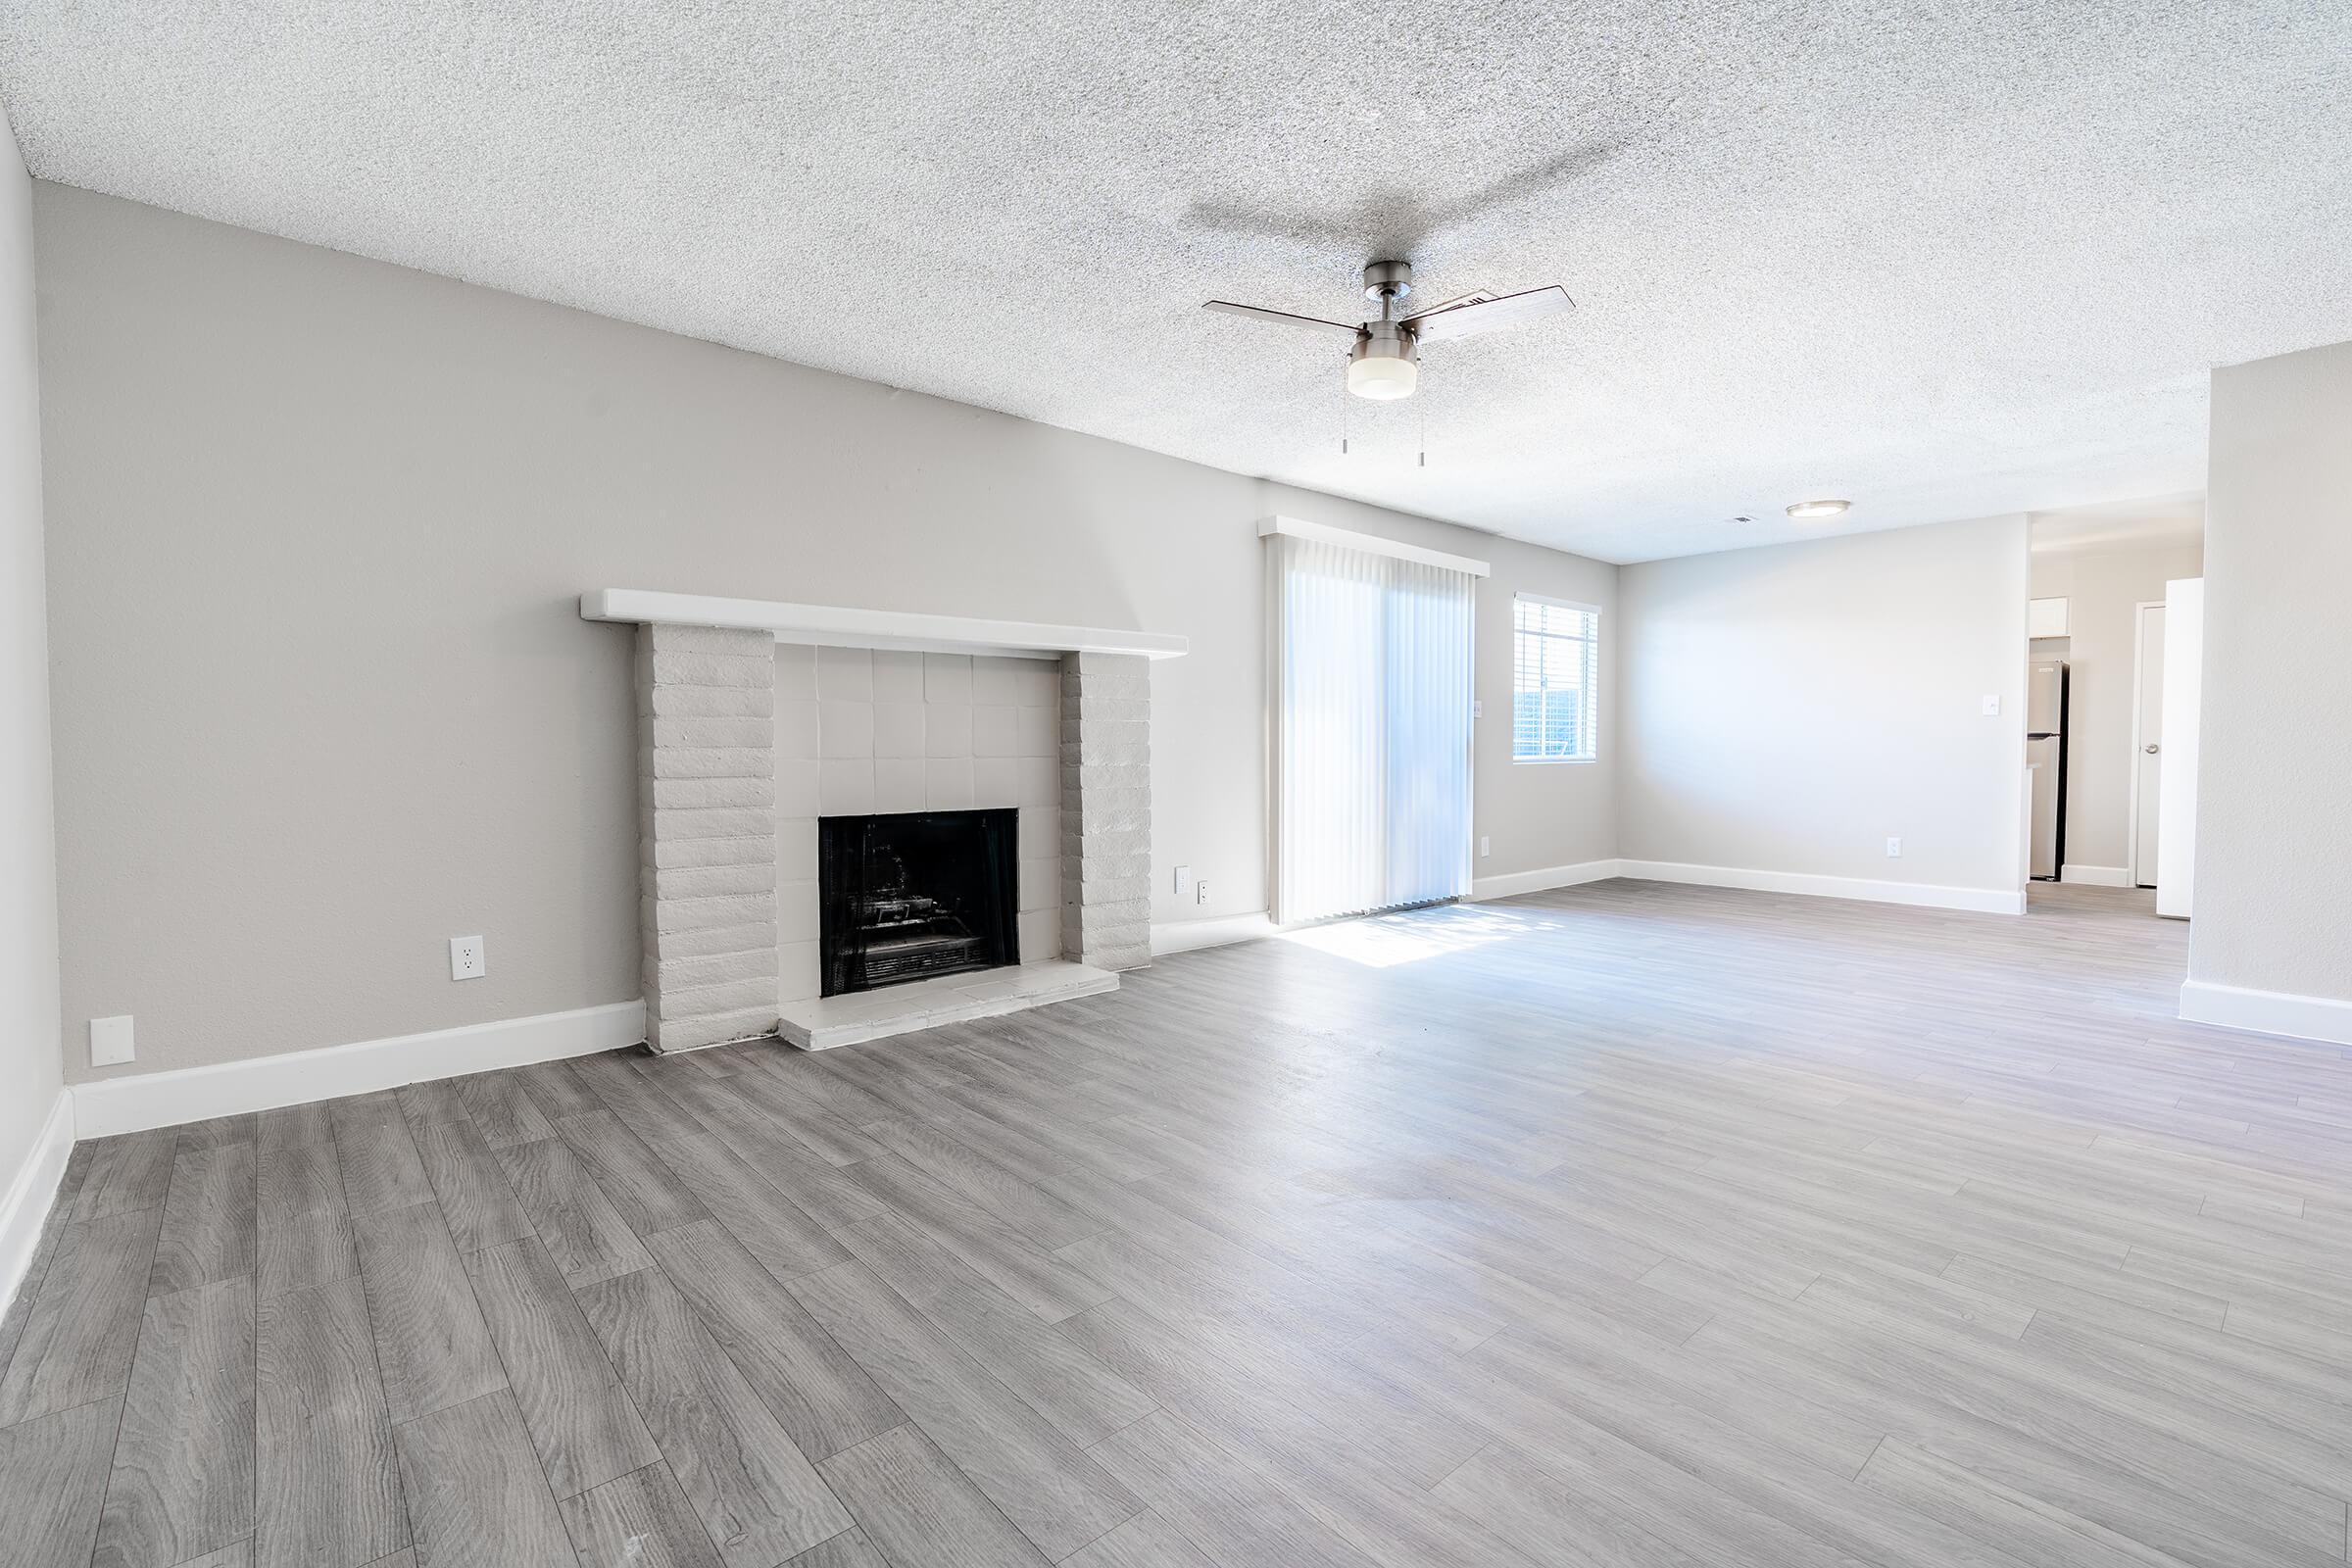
x,y
2147,762
2184,720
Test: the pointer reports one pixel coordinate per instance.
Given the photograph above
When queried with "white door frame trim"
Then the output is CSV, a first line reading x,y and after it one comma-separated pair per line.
x,y
2140,665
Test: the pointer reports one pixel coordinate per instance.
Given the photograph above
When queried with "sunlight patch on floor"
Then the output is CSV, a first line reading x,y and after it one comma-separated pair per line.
x,y
1385,941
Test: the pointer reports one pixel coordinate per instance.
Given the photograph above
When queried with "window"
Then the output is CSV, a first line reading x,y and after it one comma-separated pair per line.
x,y
1555,681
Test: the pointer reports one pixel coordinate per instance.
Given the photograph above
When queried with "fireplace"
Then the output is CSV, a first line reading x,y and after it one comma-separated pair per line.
x,y
756,723
911,895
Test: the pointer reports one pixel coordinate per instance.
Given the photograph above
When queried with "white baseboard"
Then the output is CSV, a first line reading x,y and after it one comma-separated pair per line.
x,y
134,1104
1513,883
1183,936
2096,877
2270,1012
1983,901
26,1208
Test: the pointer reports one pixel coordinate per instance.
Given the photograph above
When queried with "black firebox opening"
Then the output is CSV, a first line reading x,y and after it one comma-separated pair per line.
x,y
915,893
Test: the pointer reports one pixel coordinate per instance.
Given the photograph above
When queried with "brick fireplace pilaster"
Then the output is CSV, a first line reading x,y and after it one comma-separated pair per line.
x,y
1106,810
706,822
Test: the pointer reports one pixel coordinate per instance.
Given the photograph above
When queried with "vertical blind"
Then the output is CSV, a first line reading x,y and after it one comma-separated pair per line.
x,y
1554,678
1372,758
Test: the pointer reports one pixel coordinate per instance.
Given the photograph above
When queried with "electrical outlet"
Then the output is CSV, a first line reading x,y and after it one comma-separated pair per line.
x,y
1478,709
469,959
1895,848
110,1041
1199,893
1993,704
1486,845
1184,879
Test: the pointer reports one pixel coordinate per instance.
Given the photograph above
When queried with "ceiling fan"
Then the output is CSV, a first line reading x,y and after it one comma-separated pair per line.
x,y
1386,362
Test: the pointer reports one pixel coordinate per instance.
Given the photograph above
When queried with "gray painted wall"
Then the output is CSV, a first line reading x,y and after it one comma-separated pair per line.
x,y
1787,709
28,1015
2274,871
318,525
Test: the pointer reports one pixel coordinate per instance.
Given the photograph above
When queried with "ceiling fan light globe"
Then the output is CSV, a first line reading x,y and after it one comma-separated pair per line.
x,y
1382,378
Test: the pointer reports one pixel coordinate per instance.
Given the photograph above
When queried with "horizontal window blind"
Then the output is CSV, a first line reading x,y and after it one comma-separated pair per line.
x,y
1372,758
1555,681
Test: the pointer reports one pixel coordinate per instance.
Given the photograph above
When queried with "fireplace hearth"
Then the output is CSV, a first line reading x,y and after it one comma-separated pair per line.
x,y
909,896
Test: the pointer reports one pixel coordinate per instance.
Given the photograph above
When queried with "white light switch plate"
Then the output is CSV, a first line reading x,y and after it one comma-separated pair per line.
x,y
1993,704
110,1041
469,959
1184,880
1486,845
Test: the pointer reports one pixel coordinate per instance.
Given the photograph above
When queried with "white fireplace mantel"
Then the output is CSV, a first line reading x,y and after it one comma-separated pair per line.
x,y
835,627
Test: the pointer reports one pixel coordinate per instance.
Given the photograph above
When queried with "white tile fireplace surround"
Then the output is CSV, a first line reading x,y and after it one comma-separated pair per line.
x,y
757,719
863,731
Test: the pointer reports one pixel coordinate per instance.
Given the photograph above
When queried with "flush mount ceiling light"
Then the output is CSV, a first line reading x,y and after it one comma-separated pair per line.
x,y
1818,508
1385,363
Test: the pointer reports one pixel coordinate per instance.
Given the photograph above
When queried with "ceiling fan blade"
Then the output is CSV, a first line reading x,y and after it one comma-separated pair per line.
x,y
1477,296
1487,315
1260,312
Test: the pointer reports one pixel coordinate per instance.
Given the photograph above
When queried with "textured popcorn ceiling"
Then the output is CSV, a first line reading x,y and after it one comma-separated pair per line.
x,y
1944,259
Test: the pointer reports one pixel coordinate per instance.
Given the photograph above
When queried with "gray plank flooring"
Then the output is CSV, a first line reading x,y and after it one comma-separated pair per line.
x,y
53,1482
84,1323
1630,1226
329,1491
183,1477
643,1514
753,1488
581,1422
917,1507
432,1349
850,1549
476,1495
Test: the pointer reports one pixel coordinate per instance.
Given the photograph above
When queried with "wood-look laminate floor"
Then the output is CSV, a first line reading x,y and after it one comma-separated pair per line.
x,y
1627,1225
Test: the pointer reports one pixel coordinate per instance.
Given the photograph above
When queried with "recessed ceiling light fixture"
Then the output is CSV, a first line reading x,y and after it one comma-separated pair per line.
x,y
1818,508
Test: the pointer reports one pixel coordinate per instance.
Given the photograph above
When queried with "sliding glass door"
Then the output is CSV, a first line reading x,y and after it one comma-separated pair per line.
x,y
1373,681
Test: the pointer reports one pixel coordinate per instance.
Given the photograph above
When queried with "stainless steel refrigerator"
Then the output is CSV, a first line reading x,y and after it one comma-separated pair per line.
x,y
2045,753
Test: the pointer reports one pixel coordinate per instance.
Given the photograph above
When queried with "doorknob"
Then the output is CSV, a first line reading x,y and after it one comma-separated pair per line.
x,y
2150,747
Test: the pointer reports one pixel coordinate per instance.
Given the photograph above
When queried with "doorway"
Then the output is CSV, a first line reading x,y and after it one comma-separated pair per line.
x,y
2104,608
2147,741
1373,693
